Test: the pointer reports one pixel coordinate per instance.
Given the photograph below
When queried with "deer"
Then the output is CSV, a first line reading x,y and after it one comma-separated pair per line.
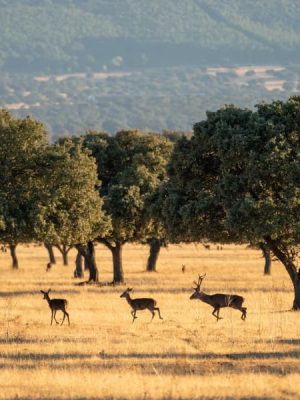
x,y
56,305
142,303
219,300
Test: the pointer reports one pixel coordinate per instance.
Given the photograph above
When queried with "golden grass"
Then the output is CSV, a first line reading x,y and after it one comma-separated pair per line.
x,y
188,355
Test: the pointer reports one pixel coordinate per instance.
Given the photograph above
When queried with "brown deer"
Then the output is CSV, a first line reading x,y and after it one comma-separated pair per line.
x,y
219,300
142,303
56,305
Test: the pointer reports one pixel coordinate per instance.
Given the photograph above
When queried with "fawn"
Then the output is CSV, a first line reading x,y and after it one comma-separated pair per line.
x,y
140,304
219,300
55,305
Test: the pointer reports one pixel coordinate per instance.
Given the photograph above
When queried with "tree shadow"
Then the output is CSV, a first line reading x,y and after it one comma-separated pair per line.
x,y
18,293
148,398
203,356
20,340
46,356
187,290
284,341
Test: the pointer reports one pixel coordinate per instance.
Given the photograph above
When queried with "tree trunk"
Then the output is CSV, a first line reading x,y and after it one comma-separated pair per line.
x,y
117,262
155,245
15,262
78,273
290,267
86,267
88,252
52,259
64,250
267,256
296,303
64,253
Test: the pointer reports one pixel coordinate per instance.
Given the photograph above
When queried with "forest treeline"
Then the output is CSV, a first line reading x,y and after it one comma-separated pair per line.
x,y
46,36
235,180
161,50
153,100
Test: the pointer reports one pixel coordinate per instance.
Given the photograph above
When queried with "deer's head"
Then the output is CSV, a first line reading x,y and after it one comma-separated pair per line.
x,y
46,294
197,290
126,293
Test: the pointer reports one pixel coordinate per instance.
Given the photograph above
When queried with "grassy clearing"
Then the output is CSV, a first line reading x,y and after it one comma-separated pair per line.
x,y
188,355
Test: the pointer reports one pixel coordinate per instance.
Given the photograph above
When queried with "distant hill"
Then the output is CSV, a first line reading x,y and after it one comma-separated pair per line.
x,y
54,36
147,64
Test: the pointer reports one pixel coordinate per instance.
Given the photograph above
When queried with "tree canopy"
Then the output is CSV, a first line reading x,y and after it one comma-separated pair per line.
x,y
68,206
130,166
22,141
237,180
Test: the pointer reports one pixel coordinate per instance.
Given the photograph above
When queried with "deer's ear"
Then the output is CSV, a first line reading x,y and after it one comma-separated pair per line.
x,y
42,291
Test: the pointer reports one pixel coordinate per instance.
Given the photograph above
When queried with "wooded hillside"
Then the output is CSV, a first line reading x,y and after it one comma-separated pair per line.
x,y
50,35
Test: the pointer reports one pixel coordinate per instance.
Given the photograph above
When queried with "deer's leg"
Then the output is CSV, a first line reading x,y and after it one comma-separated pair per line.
x,y
52,311
152,312
63,317
218,313
216,310
67,314
214,313
158,310
243,310
54,314
133,312
244,313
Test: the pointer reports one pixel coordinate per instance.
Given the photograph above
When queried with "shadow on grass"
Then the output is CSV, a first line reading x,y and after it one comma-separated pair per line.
x,y
155,356
46,356
20,340
289,341
204,356
177,364
118,289
146,397
284,341
18,293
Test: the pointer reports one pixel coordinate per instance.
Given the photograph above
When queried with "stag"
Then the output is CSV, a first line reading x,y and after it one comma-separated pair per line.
x,y
142,303
219,300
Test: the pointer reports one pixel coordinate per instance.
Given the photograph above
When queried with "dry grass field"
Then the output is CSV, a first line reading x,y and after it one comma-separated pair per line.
x,y
188,355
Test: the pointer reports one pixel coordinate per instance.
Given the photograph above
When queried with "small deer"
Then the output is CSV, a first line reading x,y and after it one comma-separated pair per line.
x,y
183,268
141,304
219,300
55,305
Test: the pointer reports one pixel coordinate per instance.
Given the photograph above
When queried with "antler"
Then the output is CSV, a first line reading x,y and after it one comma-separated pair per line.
x,y
200,279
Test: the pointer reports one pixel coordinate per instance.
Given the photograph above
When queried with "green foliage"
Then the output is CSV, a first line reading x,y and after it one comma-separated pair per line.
x,y
46,36
21,143
68,205
237,179
130,166
171,98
